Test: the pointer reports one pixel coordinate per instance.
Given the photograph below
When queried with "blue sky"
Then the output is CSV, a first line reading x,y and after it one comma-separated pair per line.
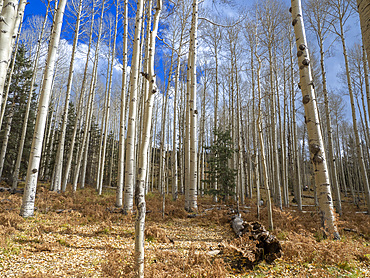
x,y
335,64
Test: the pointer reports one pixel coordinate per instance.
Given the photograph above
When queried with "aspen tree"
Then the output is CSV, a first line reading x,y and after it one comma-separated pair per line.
x,y
191,201
262,150
7,24
317,20
341,12
270,24
73,142
316,144
141,174
297,188
56,182
174,136
130,145
11,114
28,201
27,112
89,108
14,36
121,151
107,105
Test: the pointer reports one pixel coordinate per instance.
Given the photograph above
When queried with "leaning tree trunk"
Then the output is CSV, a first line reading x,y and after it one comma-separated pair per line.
x,y
359,151
28,202
262,151
364,11
28,108
316,144
332,163
142,171
56,182
89,108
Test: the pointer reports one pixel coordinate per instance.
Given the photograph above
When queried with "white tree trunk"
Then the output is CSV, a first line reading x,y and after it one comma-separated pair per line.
x,y
85,145
130,151
141,174
192,201
107,106
56,182
121,151
316,144
7,23
28,202
27,112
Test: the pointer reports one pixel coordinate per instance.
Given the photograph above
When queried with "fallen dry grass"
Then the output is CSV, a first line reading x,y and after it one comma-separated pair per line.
x,y
83,235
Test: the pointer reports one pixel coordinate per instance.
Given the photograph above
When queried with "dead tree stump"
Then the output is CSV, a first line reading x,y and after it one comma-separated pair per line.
x,y
253,245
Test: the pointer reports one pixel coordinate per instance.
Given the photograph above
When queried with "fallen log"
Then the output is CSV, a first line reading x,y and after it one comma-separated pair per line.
x,y
253,245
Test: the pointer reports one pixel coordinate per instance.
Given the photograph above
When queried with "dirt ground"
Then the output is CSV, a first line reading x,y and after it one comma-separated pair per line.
x,y
84,235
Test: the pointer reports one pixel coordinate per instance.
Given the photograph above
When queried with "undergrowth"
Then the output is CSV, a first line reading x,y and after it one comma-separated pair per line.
x,y
305,249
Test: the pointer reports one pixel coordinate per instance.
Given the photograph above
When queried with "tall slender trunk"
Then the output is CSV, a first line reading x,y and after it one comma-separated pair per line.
x,y
316,144
192,200
331,157
29,101
262,151
361,162
141,175
121,152
28,201
130,146
56,182
89,108
297,187
174,136
107,105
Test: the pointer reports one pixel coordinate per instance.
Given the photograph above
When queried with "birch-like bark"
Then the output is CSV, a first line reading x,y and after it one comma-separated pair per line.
x,y
107,106
331,157
56,182
7,23
14,40
28,107
192,201
341,16
174,136
130,151
141,174
121,151
316,144
262,152
297,187
364,12
89,108
28,201
11,114
256,125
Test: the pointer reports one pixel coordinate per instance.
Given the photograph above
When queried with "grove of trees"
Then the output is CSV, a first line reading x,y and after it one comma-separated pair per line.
x,y
188,98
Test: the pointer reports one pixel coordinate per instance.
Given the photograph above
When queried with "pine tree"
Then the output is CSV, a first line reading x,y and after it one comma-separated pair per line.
x,y
18,93
219,169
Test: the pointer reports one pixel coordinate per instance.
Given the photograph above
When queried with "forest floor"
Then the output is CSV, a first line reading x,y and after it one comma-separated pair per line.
x,y
84,235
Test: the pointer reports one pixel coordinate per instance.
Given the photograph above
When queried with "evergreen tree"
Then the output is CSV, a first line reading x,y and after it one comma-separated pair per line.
x,y
18,93
219,169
